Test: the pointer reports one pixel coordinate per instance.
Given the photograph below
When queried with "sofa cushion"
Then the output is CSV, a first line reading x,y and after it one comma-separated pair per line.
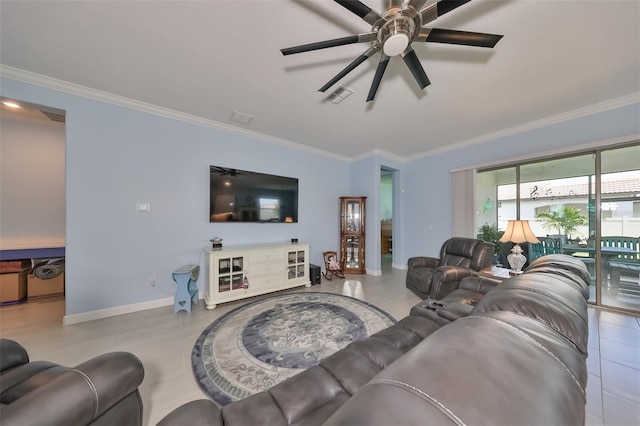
x,y
574,270
201,412
549,298
420,279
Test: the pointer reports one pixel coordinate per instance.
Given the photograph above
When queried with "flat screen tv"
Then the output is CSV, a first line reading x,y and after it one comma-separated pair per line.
x,y
244,196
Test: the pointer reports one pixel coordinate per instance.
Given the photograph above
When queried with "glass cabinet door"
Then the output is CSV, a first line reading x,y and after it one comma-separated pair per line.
x,y
230,273
353,216
296,264
352,255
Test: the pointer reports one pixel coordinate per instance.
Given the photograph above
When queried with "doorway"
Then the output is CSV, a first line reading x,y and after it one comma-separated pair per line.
x,y
33,200
386,219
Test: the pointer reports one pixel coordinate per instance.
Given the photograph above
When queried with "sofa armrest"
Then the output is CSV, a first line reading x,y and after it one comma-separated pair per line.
x,y
202,412
422,262
12,354
447,278
81,395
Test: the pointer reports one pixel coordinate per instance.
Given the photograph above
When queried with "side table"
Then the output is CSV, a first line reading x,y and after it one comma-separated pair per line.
x,y
187,290
495,272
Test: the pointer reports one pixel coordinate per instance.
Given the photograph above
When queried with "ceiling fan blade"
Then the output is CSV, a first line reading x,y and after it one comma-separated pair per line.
x,y
438,9
412,61
446,6
359,38
437,35
360,9
360,59
382,66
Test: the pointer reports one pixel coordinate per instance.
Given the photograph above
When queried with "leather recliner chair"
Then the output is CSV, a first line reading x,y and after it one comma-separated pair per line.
x,y
434,278
100,391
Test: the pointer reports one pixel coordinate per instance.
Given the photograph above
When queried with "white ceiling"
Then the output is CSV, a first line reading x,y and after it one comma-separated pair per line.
x,y
210,58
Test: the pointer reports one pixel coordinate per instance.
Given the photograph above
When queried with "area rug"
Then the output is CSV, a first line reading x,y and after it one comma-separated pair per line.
x,y
264,342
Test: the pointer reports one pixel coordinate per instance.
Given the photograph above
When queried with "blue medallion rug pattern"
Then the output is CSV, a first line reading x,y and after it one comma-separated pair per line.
x,y
262,343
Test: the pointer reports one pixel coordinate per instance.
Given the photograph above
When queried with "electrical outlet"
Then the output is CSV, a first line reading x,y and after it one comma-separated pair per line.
x,y
152,281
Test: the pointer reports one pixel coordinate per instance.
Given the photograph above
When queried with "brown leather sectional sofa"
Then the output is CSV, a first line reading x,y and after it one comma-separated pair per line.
x,y
486,353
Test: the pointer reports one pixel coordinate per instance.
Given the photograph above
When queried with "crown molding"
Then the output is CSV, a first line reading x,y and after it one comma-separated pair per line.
x,y
378,153
554,119
98,95
574,149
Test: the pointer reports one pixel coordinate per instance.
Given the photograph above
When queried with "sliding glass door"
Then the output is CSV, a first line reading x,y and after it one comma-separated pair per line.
x,y
620,227
586,206
557,198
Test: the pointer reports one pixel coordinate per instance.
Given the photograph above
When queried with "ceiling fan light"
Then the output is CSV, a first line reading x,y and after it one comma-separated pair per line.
x,y
395,44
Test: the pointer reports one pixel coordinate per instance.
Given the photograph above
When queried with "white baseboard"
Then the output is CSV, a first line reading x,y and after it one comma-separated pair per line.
x,y
118,310
378,272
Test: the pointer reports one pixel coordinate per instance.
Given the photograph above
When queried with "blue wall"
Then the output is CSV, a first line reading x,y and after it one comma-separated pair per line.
x,y
117,157
427,204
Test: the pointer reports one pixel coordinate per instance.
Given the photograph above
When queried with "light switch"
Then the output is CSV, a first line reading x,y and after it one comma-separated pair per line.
x,y
143,207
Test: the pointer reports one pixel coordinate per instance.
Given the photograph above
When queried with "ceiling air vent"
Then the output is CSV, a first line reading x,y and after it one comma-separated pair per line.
x,y
241,118
339,95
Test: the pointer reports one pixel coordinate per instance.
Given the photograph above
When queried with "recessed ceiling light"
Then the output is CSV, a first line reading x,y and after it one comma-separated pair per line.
x,y
10,104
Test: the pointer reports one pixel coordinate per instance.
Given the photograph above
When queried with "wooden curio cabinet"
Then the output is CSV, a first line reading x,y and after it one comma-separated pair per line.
x,y
352,233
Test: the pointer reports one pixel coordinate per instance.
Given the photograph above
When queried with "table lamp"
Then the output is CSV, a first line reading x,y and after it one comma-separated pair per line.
x,y
518,231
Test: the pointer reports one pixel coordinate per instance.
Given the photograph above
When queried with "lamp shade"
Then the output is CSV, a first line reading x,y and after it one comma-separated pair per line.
x,y
518,231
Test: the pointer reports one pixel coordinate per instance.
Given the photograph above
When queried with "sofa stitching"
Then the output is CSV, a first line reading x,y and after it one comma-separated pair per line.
x,y
536,343
93,390
544,293
564,274
440,406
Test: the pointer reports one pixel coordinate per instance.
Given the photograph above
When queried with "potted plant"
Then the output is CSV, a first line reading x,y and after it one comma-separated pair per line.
x,y
491,234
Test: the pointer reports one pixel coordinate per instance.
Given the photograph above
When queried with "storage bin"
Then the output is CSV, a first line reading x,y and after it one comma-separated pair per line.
x,y
13,287
37,287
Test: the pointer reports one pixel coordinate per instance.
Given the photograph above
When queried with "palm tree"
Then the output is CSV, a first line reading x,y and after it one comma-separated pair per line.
x,y
566,221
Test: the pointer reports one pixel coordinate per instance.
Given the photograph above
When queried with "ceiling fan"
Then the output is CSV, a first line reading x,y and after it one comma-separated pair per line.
x,y
393,34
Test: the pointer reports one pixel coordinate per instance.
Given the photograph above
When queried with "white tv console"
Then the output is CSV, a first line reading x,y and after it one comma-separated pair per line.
x,y
238,272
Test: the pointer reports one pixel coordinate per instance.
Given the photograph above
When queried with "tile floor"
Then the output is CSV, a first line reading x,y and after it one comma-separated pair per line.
x,y
613,387
164,341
